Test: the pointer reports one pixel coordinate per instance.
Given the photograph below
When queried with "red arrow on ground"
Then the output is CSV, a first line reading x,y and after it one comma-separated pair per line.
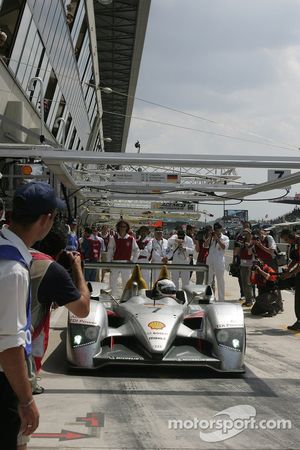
x,y
65,435
92,421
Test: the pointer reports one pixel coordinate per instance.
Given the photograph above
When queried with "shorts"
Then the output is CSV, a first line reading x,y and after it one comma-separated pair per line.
x,y
9,416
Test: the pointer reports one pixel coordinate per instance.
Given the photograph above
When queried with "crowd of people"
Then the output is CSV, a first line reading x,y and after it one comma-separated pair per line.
x,y
262,272
254,252
185,245
42,266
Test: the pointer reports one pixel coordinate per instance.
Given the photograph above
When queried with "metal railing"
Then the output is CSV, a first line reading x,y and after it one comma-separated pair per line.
x,y
149,266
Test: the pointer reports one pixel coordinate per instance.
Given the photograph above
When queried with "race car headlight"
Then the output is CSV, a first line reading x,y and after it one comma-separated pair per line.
x,y
230,337
83,334
222,336
77,339
236,343
91,333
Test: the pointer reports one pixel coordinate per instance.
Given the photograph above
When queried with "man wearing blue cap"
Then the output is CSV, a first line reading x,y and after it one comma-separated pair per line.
x,y
35,206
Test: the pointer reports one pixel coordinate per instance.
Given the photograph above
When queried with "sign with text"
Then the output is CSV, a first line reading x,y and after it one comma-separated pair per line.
x,y
235,215
173,206
144,177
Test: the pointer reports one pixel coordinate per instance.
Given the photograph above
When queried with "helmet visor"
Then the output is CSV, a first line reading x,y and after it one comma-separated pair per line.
x,y
168,290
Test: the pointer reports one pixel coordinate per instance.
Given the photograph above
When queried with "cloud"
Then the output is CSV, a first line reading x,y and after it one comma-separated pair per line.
x,y
231,61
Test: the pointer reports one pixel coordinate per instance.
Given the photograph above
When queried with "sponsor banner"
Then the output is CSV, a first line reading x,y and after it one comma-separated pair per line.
x,y
236,215
143,177
173,206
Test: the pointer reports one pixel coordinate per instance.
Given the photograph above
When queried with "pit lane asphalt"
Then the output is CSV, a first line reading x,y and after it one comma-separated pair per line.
x,y
130,408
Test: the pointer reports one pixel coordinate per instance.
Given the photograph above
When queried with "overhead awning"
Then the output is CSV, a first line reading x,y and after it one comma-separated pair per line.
x,y
120,34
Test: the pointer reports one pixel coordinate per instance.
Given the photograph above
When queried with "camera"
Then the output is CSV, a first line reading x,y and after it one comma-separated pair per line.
x,y
180,235
256,265
241,240
200,236
288,283
64,261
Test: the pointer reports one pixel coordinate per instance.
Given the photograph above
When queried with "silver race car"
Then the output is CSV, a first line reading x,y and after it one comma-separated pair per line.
x,y
161,326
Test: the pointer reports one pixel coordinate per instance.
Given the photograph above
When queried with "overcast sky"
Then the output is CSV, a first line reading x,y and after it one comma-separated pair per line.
x,y
234,62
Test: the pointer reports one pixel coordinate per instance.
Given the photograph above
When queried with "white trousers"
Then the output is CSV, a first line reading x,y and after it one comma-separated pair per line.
x,y
146,275
185,277
114,275
155,275
217,267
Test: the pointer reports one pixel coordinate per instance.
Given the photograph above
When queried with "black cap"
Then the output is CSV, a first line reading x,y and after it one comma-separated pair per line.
x,y
217,226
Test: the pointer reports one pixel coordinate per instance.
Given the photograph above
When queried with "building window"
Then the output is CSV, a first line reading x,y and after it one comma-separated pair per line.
x,y
80,39
59,113
72,138
10,16
49,93
68,124
71,11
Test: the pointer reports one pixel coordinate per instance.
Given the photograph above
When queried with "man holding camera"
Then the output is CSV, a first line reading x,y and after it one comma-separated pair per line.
x,y
240,251
201,236
217,243
143,239
268,300
246,257
180,247
265,247
293,270
157,250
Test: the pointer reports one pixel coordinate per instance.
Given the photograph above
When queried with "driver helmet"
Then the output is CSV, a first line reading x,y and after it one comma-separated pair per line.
x,y
165,288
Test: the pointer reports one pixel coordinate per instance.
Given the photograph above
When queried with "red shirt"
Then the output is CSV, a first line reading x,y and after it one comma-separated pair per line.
x,y
259,280
202,255
123,248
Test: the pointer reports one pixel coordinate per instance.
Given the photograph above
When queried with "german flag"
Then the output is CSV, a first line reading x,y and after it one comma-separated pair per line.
x,y
172,178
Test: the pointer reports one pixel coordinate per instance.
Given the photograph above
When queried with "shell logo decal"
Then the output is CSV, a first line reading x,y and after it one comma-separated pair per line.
x,y
155,325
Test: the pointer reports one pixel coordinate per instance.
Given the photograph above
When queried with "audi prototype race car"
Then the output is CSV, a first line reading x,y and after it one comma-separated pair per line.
x,y
161,326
